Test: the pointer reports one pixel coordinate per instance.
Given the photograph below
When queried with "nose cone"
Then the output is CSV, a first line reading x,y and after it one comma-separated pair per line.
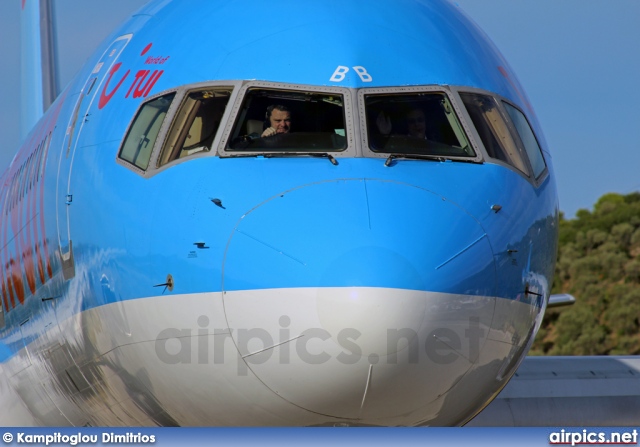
x,y
352,298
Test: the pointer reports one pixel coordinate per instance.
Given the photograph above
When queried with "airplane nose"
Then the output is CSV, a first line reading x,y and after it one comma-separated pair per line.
x,y
355,298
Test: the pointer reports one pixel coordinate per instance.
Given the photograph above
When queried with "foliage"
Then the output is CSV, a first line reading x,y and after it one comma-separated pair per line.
x,y
599,264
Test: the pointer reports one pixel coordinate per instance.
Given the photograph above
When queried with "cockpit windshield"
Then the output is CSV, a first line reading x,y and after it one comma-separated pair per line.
x,y
416,124
289,120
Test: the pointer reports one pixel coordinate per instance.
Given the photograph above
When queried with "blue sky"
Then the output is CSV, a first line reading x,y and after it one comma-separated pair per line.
x,y
579,61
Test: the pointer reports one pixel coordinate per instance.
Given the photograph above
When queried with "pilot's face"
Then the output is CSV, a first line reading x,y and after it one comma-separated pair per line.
x,y
280,121
416,124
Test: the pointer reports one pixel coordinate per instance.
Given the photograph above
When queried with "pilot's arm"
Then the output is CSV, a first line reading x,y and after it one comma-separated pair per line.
x,y
383,122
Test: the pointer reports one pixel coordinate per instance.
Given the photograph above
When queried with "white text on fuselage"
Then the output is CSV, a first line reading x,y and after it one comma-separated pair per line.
x,y
341,72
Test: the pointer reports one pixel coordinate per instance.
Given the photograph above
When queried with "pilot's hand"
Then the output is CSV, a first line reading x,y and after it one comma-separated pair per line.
x,y
270,131
384,123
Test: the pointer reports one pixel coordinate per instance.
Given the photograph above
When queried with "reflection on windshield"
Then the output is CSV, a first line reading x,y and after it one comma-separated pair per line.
x,y
416,123
493,129
195,124
289,120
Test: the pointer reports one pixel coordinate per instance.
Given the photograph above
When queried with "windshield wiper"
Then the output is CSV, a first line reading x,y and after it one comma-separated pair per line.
x,y
392,157
326,155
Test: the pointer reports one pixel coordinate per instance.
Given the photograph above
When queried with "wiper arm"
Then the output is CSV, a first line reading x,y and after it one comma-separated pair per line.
x,y
392,157
327,155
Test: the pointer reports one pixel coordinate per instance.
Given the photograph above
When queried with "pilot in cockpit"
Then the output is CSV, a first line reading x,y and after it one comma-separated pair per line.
x,y
415,120
278,118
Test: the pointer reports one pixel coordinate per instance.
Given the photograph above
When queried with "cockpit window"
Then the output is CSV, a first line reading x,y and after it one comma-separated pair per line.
x,y
493,129
415,123
273,120
195,125
143,132
528,138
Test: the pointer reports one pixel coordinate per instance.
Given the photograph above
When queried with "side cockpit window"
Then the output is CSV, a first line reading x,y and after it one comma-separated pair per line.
x,y
174,126
417,123
143,132
274,120
493,129
195,124
528,139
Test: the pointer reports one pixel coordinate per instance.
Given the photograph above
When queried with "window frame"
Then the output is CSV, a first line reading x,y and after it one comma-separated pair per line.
x,y
356,130
525,171
441,89
184,97
132,124
499,100
181,94
236,110
521,142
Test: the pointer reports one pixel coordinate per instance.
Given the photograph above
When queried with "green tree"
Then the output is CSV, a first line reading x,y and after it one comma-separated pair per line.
x,y
599,263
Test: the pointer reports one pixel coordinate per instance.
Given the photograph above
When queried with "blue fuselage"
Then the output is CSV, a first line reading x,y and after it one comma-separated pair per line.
x,y
84,232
